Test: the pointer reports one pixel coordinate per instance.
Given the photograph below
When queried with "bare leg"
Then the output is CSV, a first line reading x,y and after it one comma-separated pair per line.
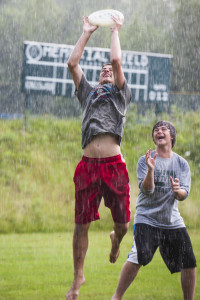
x,y
116,237
128,274
80,246
188,282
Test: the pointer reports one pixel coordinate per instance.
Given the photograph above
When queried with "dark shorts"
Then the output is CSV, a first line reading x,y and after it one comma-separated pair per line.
x,y
95,178
174,245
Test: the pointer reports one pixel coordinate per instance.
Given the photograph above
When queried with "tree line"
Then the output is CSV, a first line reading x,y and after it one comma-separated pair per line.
x,y
168,27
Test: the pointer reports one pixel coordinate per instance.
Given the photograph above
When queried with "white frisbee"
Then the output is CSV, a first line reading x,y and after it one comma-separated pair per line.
x,y
104,17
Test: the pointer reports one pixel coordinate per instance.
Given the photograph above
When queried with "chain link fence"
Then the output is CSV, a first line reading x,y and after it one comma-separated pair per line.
x,y
13,104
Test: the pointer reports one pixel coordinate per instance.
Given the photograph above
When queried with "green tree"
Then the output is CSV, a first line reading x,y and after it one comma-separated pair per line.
x,y
22,20
148,27
185,46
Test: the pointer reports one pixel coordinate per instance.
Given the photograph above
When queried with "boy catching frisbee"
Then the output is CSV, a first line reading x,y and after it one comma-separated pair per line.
x,y
102,171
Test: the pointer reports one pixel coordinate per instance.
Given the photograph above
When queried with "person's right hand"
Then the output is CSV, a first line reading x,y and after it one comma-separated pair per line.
x,y
150,161
87,27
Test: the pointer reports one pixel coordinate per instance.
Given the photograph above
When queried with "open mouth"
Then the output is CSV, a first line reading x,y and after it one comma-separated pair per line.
x,y
107,75
161,137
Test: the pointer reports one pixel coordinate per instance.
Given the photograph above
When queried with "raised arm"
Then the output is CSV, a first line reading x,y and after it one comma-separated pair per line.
x,y
75,57
148,182
115,53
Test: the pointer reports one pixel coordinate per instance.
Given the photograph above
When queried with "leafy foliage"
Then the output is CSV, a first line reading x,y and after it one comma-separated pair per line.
x,y
185,46
170,26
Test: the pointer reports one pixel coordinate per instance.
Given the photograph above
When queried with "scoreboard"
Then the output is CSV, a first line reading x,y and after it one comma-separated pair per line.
x,y
45,71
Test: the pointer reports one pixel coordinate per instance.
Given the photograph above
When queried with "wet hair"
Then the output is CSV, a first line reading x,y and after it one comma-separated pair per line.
x,y
171,128
106,64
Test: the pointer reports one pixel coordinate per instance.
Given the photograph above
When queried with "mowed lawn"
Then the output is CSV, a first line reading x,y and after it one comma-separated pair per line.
x,y
40,266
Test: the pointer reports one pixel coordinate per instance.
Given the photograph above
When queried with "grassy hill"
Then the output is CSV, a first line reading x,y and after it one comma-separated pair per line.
x,y
37,166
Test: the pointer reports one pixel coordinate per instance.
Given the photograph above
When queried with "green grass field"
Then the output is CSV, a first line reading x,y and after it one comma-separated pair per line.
x,y
37,195
37,167
39,266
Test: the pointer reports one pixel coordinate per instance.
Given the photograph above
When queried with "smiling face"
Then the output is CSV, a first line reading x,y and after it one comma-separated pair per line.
x,y
162,136
106,75
164,132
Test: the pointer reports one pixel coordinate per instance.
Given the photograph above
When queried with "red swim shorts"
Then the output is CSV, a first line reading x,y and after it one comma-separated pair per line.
x,y
95,178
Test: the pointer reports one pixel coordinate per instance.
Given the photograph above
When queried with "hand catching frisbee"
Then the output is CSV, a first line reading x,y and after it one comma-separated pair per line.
x,y
104,18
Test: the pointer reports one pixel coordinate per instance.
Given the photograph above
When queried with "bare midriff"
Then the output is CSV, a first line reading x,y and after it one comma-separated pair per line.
x,y
101,146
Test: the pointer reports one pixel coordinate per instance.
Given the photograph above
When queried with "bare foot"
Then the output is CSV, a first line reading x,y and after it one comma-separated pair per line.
x,y
114,249
73,293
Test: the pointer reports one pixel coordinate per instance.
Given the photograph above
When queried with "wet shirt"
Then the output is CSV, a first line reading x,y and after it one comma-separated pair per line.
x,y
103,108
159,207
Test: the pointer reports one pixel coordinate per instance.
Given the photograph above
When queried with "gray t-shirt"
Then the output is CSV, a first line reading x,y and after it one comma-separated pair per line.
x,y
103,108
158,207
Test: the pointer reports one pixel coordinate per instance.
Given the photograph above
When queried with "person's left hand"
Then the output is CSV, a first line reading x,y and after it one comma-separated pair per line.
x,y
118,23
175,184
